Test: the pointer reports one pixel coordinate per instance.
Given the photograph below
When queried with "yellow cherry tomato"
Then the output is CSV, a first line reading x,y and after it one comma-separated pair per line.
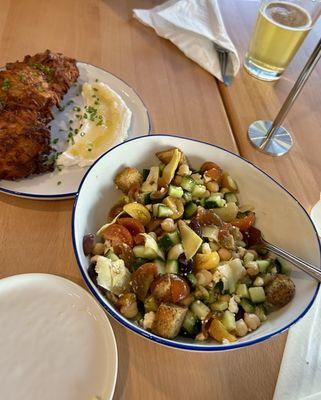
x,y
138,211
207,261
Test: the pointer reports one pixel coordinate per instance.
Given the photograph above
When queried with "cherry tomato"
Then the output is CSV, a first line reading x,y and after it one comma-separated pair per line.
x,y
133,225
179,288
244,223
139,239
125,252
115,211
209,165
118,234
142,278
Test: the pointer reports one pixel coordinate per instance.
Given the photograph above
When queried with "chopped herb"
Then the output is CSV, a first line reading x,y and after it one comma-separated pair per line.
x,y
76,131
48,71
5,84
77,108
59,183
71,121
22,78
62,108
82,134
90,146
93,96
61,130
95,89
99,123
55,141
96,80
85,116
96,103
59,167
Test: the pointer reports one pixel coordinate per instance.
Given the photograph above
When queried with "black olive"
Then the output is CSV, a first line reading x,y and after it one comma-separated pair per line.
x,y
239,314
185,266
88,243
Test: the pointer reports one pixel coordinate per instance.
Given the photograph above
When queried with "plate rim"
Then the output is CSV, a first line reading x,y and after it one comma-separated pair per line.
x,y
182,345
86,294
70,195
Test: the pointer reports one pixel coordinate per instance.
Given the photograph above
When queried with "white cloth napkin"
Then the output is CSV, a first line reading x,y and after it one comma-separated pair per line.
x,y
193,26
300,372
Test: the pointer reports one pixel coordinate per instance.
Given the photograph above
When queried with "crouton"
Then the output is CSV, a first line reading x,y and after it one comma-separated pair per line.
x,y
280,290
166,155
168,320
128,177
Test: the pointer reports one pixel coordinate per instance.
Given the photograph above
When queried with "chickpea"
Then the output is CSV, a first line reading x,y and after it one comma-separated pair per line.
x,y
255,255
258,281
206,248
98,249
212,186
127,305
206,194
224,254
241,328
241,251
252,268
168,225
204,277
252,321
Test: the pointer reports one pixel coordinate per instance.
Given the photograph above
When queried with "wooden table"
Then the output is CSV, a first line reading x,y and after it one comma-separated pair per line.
x,y
183,99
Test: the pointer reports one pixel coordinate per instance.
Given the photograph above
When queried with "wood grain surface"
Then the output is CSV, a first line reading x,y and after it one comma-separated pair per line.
x,y
181,98
249,99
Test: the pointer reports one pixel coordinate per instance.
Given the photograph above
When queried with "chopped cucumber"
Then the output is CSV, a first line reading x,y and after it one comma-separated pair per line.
x,y
260,312
228,320
150,304
160,265
230,198
247,306
219,305
198,191
137,263
257,294
168,240
161,211
164,211
242,291
175,191
187,196
200,309
285,268
192,279
171,267
144,252
190,210
189,323
111,255
188,183
214,201
263,265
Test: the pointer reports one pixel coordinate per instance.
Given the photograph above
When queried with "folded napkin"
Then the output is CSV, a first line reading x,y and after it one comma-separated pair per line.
x,y
300,372
193,26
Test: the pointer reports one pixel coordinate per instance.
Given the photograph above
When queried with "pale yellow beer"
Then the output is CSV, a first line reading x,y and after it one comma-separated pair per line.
x,y
280,29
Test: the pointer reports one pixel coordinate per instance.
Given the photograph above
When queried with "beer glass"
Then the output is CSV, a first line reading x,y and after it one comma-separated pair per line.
x,y
280,29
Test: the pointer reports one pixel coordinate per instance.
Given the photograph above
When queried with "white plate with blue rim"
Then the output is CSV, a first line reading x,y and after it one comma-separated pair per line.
x,y
55,341
63,183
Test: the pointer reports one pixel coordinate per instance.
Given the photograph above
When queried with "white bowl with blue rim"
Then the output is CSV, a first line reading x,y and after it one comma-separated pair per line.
x,y
282,219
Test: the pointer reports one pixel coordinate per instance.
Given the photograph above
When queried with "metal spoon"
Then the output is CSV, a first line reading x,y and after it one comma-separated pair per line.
x,y
253,237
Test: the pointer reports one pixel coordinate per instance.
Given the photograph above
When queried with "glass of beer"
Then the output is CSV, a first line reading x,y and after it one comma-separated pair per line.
x,y
280,29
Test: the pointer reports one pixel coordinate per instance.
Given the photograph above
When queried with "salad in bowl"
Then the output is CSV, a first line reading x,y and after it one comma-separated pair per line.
x,y
175,254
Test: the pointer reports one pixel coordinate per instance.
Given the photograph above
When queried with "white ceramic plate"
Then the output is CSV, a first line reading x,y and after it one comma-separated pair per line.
x,y
55,341
280,216
64,184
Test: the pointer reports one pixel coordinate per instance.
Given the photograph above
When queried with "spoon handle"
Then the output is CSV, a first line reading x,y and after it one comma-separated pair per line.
x,y
303,265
